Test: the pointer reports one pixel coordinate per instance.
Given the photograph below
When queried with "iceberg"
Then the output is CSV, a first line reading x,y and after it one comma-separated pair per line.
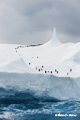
x,y
51,69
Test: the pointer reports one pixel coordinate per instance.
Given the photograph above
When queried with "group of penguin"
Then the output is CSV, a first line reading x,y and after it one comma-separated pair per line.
x,y
69,71
42,65
40,69
20,47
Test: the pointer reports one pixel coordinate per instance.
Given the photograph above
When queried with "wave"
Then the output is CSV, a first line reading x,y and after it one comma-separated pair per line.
x,y
26,97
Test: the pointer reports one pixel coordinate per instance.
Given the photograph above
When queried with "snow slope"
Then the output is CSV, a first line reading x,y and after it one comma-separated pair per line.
x,y
17,65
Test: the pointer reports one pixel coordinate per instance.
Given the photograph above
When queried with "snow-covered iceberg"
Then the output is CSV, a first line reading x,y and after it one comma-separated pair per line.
x,y
51,69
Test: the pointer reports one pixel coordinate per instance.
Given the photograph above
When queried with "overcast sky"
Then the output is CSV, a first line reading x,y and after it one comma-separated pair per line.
x,y
33,21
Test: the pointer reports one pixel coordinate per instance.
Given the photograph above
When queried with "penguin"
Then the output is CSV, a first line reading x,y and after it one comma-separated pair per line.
x,y
70,70
57,72
51,71
29,63
45,71
67,73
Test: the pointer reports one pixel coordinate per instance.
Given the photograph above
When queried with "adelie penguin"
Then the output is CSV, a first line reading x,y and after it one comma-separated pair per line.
x,y
67,73
70,70
51,71
29,63
45,71
57,72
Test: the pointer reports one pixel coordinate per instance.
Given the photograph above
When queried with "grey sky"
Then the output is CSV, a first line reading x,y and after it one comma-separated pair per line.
x,y
33,21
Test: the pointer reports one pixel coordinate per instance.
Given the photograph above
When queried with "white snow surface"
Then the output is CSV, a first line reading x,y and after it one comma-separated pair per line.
x,y
52,66
51,55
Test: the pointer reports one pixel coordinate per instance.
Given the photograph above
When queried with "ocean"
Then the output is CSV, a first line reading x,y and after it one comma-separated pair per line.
x,y
24,106
20,99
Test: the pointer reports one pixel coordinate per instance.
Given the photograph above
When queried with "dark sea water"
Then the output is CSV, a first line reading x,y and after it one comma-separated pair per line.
x,y
23,97
24,106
